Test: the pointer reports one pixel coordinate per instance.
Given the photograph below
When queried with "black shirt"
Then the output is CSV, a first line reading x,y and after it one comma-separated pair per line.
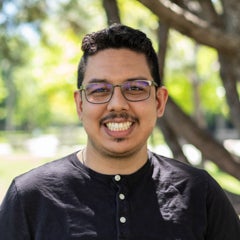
x,y
164,200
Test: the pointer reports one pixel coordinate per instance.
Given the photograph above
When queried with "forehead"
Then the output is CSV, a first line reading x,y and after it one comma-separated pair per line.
x,y
117,65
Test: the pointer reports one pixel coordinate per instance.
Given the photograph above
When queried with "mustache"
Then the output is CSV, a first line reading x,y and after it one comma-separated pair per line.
x,y
123,115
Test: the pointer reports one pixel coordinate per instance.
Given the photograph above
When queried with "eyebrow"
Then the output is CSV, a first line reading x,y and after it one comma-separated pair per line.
x,y
99,80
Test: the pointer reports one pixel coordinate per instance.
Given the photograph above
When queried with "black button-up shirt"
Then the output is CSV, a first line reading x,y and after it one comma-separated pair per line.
x,y
164,200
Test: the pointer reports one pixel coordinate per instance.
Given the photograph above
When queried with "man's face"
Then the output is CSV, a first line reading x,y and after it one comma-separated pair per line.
x,y
120,127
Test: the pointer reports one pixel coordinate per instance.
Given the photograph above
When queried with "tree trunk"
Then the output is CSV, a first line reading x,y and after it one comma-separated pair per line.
x,y
214,30
230,74
208,27
192,26
185,127
112,12
230,64
169,135
10,101
171,140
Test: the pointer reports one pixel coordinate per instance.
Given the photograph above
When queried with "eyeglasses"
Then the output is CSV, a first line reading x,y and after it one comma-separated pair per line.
x,y
133,91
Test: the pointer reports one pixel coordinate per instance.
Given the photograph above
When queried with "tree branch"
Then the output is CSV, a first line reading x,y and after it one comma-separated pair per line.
x,y
169,135
163,33
192,26
210,13
210,148
171,139
112,12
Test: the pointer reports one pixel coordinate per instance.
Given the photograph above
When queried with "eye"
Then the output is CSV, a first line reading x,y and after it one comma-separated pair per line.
x,y
136,86
98,88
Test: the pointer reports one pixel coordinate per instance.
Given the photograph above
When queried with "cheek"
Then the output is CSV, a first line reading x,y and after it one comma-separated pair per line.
x,y
148,114
91,115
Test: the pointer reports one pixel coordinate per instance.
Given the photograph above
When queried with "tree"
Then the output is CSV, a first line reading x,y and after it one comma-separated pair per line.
x,y
219,29
206,26
38,60
112,12
14,52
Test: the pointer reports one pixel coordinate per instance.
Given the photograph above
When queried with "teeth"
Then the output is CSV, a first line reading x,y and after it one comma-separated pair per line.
x,y
113,126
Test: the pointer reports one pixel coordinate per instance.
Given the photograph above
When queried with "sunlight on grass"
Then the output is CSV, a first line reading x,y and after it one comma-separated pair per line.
x,y
11,168
226,181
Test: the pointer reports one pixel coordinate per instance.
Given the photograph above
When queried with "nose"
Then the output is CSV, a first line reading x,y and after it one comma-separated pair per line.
x,y
118,102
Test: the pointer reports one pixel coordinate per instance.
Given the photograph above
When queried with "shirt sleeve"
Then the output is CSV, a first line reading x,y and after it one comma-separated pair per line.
x,y
13,222
223,222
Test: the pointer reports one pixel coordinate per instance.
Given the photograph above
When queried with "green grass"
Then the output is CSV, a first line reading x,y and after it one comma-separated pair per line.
x,y
226,181
10,168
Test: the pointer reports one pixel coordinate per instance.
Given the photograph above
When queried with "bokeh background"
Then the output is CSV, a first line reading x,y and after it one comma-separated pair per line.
x,y
198,48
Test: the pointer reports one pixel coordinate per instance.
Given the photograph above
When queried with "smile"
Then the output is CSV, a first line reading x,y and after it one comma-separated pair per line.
x,y
116,127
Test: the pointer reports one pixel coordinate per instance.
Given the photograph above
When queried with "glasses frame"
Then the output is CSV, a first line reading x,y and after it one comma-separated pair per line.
x,y
150,83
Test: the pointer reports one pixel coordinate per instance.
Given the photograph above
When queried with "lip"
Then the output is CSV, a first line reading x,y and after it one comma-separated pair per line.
x,y
118,125
119,129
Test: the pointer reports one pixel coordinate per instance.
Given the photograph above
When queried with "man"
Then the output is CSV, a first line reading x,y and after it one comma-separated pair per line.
x,y
115,188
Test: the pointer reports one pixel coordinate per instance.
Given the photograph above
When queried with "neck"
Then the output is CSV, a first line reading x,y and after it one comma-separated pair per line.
x,y
112,164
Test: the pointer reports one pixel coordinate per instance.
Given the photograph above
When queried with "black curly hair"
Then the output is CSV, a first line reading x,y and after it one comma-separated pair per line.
x,y
118,36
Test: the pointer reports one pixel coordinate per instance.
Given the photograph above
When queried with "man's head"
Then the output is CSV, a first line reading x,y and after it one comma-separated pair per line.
x,y
118,101
118,36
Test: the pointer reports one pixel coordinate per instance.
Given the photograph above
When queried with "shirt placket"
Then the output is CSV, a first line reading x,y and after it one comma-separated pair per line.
x,y
122,208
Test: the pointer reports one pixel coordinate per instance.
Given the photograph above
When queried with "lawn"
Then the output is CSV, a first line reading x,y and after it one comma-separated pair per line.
x,y
15,165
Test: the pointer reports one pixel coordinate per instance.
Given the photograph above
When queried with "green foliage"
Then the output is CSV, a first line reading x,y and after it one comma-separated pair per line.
x,y
212,92
3,90
180,89
179,67
42,57
156,138
136,15
56,74
186,63
3,95
225,180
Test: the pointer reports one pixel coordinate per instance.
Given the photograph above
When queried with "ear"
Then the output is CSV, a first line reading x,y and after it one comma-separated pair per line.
x,y
161,98
78,103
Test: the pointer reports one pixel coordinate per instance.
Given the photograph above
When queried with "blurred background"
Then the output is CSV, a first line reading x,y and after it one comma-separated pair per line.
x,y
198,48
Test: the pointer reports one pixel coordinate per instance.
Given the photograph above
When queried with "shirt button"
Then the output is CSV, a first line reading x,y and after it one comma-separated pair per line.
x,y
121,196
123,219
117,178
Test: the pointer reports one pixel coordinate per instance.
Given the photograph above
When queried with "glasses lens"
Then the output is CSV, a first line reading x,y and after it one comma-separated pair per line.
x,y
137,90
98,92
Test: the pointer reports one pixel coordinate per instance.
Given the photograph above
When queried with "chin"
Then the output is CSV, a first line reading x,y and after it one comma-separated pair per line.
x,y
121,152
118,140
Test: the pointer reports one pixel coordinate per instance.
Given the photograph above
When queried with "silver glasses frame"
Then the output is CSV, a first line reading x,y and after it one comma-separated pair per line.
x,y
150,83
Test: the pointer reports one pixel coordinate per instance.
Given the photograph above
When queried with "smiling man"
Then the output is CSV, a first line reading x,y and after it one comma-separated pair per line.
x,y
118,104
115,188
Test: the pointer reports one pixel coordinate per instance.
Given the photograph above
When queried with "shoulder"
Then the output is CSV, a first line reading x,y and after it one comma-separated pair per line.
x,y
194,180
51,173
198,183
173,169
